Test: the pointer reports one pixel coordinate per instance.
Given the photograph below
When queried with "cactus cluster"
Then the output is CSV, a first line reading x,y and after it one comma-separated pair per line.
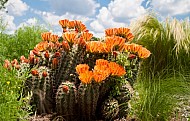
x,y
80,78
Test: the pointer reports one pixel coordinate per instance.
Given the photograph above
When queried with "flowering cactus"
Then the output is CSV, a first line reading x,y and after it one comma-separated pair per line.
x,y
79,78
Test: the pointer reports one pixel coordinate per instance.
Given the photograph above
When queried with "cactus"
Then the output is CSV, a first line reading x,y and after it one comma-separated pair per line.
x,y
87,101
65,100
80,78
110,109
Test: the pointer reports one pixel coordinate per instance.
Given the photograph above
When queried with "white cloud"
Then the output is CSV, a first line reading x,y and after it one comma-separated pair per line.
x,y
122,10
104,20
16,7
118,13
8,20
29,22
53,19
81,7
171,7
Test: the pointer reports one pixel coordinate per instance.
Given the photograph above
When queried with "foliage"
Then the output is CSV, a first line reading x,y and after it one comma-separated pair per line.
x,y
13,46
11,106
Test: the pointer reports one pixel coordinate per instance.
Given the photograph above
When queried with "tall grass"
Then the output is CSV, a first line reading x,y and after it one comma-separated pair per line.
x,y
166,72
156,97
168,42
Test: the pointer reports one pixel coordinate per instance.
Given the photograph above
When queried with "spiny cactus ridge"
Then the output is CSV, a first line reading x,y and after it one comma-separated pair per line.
x,y
80,78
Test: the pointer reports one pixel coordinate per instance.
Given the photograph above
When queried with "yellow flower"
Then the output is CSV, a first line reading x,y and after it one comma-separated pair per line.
x,y
8,82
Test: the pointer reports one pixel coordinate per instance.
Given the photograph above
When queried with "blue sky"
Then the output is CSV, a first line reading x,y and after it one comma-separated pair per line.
x,y
96,14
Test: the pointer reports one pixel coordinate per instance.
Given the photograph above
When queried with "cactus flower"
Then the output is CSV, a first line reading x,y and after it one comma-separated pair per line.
x,y
86,36
46,55
44,74
70,36
7,64
65,88
54,63
64,23
46,36
54,38
34,72
86,77
81,68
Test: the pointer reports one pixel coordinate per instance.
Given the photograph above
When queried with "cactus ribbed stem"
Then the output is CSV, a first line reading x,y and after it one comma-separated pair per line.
x,y
65,100
87,100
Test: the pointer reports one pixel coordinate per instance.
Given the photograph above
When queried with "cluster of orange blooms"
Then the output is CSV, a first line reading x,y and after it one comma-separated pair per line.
x,y
122,32
135,48
78,26
101,71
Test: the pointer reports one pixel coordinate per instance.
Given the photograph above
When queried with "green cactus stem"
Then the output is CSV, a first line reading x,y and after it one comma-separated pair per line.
x,y
87,101
66,101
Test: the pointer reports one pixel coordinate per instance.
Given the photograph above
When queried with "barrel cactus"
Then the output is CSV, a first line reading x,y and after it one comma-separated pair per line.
x,y
79,78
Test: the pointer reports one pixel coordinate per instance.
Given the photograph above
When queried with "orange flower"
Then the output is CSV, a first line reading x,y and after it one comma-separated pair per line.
x,y
46,55
101,70
7,64
116,69
71,24
34,72
98,77
23,59
46,36
41,46
132,47
102,62
64,23
31,59
54,63
54,38
57,54
95,46
80,41
130,36
70,36
65,45
14,62
125,33
86,36
81,68
110,31
65,88
44,74
86,77
79,26
144,53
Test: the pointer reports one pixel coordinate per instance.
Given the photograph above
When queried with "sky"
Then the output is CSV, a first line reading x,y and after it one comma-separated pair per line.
x,y
97,15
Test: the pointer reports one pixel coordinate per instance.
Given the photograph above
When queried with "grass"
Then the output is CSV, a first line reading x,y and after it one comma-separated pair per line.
x,y
155,99
10,90
165,74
